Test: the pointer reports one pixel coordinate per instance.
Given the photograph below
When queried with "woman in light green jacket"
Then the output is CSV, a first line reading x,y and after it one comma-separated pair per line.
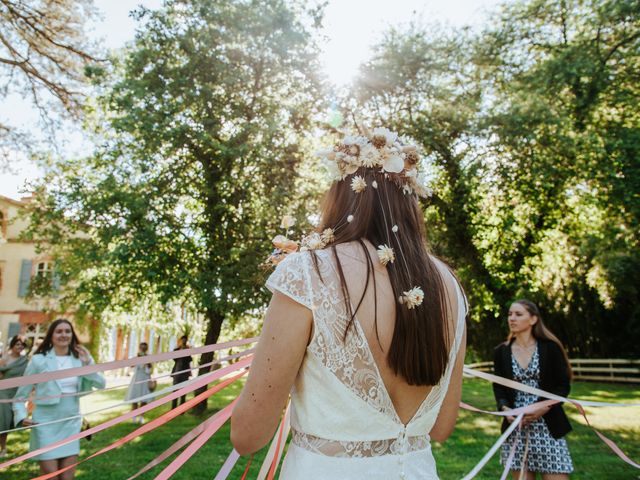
x,y
59,350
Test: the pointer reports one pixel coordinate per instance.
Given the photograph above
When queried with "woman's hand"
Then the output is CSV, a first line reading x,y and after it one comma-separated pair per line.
x,y
27,422
509,418
534,415
83,355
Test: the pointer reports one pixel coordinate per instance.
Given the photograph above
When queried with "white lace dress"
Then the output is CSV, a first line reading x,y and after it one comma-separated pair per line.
x,y
343,422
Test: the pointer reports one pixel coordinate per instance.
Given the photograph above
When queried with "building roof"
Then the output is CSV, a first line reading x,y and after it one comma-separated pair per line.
x,y
17,203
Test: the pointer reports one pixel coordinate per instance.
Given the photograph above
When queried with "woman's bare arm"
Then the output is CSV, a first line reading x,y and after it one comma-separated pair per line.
x,y
279,354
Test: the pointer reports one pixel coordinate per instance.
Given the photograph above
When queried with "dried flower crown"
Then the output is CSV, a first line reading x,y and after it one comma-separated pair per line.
x,y
383,150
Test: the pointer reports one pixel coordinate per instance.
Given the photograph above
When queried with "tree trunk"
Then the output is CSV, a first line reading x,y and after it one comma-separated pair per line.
x,y
214,324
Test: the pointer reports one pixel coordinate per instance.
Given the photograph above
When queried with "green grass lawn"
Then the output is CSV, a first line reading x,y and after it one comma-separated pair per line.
x,y
474,435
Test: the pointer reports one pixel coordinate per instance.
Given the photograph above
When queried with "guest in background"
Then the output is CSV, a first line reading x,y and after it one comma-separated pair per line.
x,y
181,370
534,356
139,386
56,399
12,364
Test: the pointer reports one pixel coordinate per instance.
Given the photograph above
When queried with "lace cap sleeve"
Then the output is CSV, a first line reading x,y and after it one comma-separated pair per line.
x,y
291,277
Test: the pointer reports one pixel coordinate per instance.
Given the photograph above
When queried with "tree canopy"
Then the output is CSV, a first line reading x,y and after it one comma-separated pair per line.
x,y
529,128
204,129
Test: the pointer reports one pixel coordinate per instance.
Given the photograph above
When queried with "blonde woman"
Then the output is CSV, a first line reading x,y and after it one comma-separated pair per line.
x,y
534,356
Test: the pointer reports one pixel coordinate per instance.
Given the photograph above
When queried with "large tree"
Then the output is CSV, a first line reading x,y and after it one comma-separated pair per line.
x,y
564,130
205,132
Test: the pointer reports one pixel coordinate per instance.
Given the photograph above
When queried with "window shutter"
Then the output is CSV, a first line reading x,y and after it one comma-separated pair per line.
x,y
25,278
14,329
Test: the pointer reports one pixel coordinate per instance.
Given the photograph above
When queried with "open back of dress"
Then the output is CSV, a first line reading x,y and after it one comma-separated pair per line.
x,y
343,421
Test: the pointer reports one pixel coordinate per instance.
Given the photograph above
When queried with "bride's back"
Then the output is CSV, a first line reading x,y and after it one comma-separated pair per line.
x,y
377,317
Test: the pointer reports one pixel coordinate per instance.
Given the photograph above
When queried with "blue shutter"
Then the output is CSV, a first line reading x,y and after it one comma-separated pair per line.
x,y
25,278
14,329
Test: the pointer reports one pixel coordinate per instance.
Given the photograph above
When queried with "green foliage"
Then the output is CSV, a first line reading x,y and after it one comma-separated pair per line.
x,y
532,134
563,132
529,127
202,126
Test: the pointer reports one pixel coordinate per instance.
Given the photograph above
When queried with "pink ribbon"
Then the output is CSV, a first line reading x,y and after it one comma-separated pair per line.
x,y
201,382
228,465
177,445
101,367
494,448
284,424
577,403
220,418
513,412
155,423
512,453
272,458
76,394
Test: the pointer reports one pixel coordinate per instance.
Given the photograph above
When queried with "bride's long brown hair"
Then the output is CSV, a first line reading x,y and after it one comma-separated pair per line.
x,y
419,348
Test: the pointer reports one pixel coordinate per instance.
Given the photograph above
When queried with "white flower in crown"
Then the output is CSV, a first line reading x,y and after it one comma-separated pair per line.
x,y
347,164
391,159
355,140
334,170
369,156
358,184
412,298
385,254
328,235
287,222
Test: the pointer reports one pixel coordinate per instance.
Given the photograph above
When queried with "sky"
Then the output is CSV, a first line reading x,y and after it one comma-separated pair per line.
x,y
351,27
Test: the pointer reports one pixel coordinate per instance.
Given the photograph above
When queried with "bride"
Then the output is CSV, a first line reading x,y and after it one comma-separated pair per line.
x,y
365,330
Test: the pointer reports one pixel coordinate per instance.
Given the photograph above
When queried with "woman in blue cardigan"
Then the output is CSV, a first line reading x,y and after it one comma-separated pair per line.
x,y
59,350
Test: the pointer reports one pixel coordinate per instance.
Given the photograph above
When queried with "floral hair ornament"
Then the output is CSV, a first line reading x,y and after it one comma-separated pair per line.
x,y
284,246
382,150
412,298
386,255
